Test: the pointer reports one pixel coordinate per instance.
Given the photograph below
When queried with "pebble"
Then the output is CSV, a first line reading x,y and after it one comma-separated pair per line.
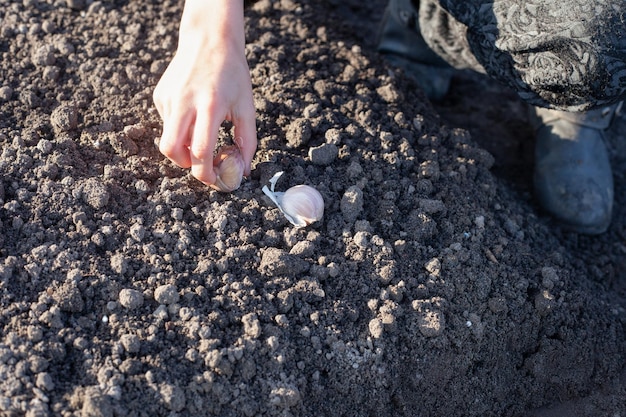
x,y
134,132
389,93
161,312
298,132
137,232
166,294
96,404
431,323
6,93
130,298
95,193
351,204
173,397
324,154
130,342
48,26
277,262
43,56
64,118
333,136
119,263
433,266
303,248
544,302
376,328
69,298
44,381
251,325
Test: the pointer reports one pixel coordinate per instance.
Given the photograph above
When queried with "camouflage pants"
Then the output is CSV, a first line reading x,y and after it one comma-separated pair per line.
x,y
566,54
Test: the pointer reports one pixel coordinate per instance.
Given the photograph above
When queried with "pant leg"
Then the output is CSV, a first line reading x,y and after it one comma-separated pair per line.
x,y
565,54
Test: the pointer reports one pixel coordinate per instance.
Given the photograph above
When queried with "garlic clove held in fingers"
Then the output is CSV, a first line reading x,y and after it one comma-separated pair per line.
x,y
229,166
301,204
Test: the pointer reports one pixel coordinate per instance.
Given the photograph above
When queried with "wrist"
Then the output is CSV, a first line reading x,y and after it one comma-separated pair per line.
x,y
213,21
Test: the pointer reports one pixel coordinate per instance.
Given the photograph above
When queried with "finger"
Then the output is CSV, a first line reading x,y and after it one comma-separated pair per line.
x,y
245,137
203,146
175,140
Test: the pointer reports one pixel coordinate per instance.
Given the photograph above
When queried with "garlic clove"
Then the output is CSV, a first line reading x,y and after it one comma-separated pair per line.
x,y
301,204
229,166
304,204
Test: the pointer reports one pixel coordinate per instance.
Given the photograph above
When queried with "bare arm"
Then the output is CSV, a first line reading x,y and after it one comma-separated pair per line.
x,y
207,82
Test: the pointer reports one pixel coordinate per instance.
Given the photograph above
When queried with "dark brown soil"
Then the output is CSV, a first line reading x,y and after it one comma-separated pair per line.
x,y
434,285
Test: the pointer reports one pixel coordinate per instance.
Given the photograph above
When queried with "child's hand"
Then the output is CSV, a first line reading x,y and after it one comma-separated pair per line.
x,y
207,82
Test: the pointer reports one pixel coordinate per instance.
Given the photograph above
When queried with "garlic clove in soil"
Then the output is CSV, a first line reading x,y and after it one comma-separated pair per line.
x,y
229,166
301,204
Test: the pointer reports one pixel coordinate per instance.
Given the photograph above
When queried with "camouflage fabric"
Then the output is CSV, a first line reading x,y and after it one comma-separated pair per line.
x,y
567,54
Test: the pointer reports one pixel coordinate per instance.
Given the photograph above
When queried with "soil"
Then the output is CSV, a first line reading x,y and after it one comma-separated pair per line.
x,y
434,285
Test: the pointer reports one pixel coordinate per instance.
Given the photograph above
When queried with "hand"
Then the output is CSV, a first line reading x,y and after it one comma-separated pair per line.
x,y
207,82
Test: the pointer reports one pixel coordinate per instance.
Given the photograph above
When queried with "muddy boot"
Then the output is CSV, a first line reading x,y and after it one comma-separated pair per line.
x,y
573,178
399,39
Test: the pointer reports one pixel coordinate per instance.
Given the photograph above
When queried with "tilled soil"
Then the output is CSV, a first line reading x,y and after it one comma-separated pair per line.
x,y
433,286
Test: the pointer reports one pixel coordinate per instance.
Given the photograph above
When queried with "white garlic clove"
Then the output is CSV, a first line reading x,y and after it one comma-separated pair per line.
x,y
229,166
304,204
301,204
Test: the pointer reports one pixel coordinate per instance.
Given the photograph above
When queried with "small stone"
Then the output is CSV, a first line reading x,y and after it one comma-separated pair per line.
x,y
96,404
131,343
161,312
166,294
119,264
376,328
173,397
298,133
137,232
6,93
44,381
251,325
544,302
134,132
549,277
48,26
433,266
95,193
303,248
130,298
351,204
51,73
44,146
69,298
333,136
479,221
43,56
277,262
431,323
389,93
324,154
64,118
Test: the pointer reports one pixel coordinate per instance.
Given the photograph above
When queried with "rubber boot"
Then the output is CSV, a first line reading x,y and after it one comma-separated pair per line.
x,y
400,40
573,180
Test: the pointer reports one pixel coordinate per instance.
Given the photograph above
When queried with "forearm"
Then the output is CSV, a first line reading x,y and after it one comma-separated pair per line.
x,y
211,22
